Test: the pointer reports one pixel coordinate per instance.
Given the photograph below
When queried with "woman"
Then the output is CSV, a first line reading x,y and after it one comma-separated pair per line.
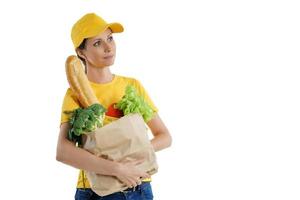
x,y
94,45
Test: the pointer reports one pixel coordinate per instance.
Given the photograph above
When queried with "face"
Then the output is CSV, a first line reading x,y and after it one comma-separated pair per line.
x,y
100,50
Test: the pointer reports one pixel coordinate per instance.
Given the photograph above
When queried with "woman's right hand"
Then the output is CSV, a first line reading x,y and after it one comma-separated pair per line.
x,y
129,174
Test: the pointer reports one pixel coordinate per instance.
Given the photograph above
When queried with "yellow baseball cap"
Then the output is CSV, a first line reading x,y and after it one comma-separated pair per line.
x,y
91,25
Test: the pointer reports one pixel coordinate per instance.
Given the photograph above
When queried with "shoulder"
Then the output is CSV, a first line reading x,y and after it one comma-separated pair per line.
x,y
70,97
69,92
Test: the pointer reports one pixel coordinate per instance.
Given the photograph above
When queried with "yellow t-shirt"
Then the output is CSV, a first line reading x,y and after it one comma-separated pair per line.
x,y
107,94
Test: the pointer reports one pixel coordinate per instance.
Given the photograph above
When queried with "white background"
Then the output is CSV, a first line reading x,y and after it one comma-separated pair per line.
x,y
224,74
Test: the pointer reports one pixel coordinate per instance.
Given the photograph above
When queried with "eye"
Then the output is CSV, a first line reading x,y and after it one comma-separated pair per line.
x,y
110,38
97,43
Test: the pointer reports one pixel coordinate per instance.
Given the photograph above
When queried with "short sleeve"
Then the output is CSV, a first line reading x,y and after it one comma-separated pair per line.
x,y
142,91
70,102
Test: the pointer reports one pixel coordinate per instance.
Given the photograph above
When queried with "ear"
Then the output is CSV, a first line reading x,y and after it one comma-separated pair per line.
x,y
80,53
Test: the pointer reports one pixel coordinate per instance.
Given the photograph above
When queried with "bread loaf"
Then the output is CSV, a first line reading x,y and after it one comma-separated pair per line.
x,y
79,83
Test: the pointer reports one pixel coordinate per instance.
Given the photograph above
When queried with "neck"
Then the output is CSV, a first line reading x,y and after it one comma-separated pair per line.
x,y
99,75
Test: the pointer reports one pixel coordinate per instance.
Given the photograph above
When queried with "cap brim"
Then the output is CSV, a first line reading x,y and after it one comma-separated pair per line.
x,y
115,27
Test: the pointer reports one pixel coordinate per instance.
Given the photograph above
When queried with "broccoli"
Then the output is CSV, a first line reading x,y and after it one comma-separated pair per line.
x,y
85,120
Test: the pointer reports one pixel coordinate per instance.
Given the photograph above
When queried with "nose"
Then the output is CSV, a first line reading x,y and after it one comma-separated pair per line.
x,y
107,47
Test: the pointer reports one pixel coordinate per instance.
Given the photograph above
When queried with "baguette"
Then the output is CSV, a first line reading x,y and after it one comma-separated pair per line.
x,y
79,83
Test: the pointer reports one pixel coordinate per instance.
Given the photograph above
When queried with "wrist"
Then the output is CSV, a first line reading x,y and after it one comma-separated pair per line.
x,y
115,169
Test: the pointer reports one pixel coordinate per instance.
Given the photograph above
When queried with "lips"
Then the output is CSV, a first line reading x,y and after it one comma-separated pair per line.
x,y
108,57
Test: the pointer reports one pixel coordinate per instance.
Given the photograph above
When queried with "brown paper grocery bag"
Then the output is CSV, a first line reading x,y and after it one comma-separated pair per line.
x,y
121,140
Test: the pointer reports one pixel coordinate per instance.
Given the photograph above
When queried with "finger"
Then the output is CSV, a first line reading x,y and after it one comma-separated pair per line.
x,y
137,162
145,175
132,183
139,182
127,182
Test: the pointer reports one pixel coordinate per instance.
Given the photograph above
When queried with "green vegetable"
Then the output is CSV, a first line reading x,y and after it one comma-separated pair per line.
x,y
132,102
85,120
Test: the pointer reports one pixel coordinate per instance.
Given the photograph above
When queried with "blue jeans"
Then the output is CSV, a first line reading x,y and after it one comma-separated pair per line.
x,y
141,192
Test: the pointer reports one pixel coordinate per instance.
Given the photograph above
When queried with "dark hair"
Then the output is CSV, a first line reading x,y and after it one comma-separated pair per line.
x,y
81,47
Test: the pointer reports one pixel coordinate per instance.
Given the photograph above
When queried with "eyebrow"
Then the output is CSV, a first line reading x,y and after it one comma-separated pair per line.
x,y
100,38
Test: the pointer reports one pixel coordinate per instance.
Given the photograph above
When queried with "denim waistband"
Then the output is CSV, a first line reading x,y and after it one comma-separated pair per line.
x,y
136,188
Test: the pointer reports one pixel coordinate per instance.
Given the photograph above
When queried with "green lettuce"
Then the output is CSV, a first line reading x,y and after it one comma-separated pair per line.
x,y
132,102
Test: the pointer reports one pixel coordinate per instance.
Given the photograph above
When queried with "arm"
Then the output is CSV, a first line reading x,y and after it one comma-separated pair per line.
x,y
162,138
79,158
69,154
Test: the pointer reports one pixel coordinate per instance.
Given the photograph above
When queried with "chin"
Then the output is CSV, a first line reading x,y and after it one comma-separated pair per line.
x,y
104,64
109,63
